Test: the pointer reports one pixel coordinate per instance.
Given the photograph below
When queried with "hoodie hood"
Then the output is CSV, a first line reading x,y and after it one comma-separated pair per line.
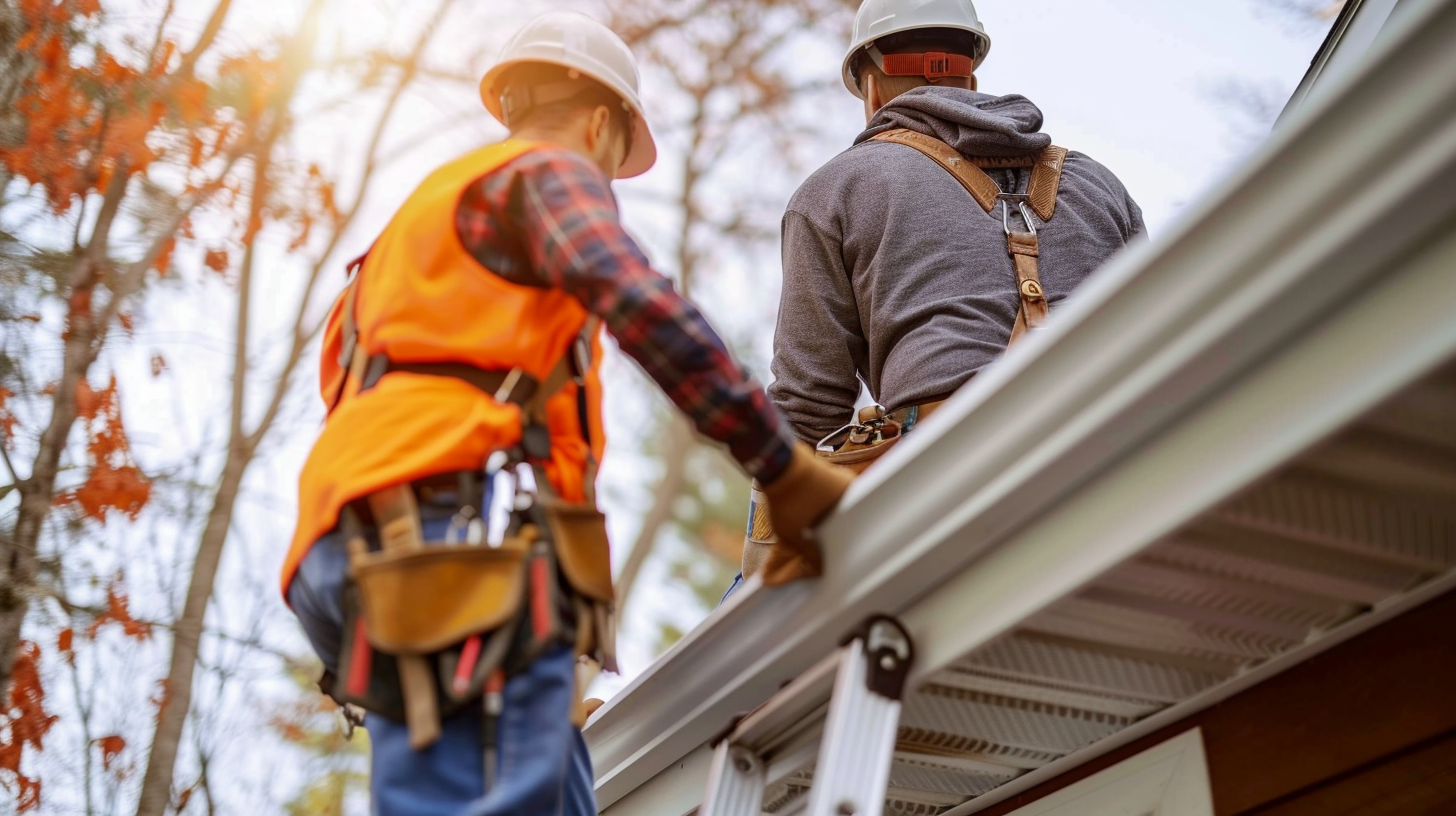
x,y
975,124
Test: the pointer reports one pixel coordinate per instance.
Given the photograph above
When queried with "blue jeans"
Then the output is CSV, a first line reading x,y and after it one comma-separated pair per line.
x,y
543,766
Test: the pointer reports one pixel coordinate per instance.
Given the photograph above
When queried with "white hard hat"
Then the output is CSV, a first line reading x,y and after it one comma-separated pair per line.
x,y
881,18
577,42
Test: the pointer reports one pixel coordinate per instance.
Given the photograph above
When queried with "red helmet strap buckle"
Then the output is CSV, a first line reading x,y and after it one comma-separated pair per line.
x,y
931,65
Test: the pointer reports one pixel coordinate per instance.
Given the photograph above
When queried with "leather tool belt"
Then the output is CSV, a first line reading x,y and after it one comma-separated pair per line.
x,y
433,627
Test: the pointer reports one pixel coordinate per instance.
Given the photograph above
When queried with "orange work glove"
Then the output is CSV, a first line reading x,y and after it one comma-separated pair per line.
x,y
798,500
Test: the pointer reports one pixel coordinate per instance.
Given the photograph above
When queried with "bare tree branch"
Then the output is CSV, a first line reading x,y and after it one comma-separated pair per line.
x,y
677,442
205,40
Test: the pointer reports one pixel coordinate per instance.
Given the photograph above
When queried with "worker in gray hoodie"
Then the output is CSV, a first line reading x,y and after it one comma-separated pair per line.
x,y
913,258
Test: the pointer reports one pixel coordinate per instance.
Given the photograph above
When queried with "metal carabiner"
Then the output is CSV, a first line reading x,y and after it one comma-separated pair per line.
x,y
1021,207
843,430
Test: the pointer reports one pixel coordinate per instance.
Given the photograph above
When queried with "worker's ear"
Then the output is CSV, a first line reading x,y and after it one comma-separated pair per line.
x,y
872,99
598,127
601,142
974,83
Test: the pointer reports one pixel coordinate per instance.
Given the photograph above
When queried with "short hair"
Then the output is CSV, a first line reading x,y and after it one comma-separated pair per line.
x,y
916,41
557,113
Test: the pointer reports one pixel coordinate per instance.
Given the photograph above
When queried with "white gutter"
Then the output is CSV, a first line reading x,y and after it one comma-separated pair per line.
x,y
1357,180
1353,33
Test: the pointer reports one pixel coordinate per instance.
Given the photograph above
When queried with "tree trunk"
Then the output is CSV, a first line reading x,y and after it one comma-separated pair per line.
x,y
37,493
83,339
156,792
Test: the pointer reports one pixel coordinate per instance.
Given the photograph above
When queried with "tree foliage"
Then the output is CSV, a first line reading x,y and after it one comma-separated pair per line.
x,y
142,155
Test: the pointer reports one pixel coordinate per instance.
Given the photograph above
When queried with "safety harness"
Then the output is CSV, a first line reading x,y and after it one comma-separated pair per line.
x,y
432,627
859,443
1040,197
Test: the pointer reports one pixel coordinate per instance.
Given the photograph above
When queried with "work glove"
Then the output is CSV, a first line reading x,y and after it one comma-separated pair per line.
x,y
798,500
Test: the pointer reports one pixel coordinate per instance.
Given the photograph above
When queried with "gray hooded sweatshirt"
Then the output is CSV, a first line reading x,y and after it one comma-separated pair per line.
x,y
894,275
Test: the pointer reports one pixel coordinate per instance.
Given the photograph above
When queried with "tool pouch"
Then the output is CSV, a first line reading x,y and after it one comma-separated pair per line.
x,y
417,602
424,603
548,584
579,532
367,678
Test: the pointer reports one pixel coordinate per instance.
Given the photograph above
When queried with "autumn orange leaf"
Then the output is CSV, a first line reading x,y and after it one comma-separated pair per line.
x,y
114,481
159,364
164,257
8,420
25,724
162,696
110,747
217,260
117,611
88,404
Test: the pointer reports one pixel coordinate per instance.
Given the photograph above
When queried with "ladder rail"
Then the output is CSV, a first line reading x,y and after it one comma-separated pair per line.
x,y
845,711
853,769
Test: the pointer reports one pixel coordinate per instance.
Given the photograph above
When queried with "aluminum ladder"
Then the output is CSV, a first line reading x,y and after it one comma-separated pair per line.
x,y
863,683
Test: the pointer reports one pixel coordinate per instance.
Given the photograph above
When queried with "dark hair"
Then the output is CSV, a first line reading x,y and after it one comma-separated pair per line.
x,y
588,95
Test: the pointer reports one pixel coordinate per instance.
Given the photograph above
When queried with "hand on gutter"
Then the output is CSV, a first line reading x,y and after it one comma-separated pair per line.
x,y
797,501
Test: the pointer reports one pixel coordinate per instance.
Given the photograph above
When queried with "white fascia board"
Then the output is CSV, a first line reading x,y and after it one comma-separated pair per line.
x,y
1356,180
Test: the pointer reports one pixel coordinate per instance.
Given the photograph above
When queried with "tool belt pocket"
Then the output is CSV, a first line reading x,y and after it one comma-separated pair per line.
x,y
583,552
427,605
366,678
417,602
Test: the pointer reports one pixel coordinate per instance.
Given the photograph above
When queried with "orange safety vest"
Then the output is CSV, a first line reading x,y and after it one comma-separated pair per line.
x,y
422,298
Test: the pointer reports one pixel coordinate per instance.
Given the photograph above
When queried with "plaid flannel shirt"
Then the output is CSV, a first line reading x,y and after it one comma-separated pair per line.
x,y
549,218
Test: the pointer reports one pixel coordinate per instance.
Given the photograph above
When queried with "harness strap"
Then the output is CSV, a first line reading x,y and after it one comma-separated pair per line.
x,y
1046,179
1024,248
513,386
981,187
350,332
581,363
1041,195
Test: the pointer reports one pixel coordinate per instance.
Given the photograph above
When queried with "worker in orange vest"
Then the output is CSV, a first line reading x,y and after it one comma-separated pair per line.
x,y
461,362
